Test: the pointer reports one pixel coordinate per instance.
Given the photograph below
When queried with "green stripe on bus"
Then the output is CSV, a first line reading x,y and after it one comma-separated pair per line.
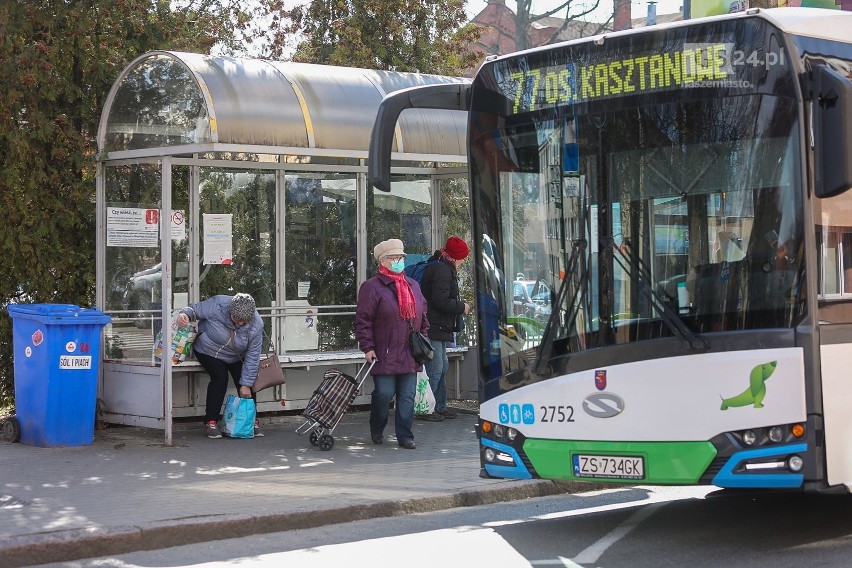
x,y
665,462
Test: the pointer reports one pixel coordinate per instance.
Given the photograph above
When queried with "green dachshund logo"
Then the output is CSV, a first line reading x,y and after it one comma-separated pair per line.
x,y
756,388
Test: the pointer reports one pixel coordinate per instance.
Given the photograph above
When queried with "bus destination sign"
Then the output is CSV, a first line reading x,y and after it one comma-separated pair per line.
x,y
692,66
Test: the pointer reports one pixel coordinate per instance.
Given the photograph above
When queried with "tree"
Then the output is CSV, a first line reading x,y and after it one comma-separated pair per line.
x,y
569,11
58,60
423,36
529,29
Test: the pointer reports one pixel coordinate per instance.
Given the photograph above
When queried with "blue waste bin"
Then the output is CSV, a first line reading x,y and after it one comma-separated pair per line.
x,y
57,351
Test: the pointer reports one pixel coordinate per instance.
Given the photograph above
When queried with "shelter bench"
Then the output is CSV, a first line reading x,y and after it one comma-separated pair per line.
x,y
131,392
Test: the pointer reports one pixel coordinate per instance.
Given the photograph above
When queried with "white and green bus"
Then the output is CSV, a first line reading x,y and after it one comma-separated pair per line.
x,y
681,192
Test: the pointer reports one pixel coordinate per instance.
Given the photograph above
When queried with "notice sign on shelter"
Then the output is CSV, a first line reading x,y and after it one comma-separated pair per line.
x,y
218,238
139,228
133,227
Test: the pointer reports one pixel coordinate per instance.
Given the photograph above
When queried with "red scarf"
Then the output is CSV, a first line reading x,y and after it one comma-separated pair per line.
x,y
404,295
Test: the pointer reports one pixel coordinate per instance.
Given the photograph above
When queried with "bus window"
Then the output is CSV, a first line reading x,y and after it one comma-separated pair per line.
x,y
833,220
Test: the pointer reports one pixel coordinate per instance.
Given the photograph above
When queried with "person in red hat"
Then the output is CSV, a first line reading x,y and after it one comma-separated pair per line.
x,y
440,287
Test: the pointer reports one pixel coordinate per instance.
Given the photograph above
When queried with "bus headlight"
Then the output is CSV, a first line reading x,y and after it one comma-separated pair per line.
x,y
499,430
511,433
769,435
795,463
775,434
497,457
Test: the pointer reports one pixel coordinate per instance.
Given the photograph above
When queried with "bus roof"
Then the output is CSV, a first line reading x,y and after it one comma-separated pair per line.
x,y
809,22
812,22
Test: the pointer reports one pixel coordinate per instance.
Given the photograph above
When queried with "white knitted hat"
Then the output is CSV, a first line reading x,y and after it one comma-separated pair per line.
x,y
242,307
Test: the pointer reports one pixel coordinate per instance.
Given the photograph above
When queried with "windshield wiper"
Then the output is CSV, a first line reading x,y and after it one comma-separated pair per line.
x,y
545,348
640,273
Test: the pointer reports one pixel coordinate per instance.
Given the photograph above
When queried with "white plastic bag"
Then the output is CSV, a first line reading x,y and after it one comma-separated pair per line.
x,y
424,398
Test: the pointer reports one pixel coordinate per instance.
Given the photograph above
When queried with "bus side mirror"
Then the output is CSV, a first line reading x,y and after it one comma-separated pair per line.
x,y
832,104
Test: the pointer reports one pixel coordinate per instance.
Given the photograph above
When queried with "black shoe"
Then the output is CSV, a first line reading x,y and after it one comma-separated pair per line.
x,y
448,413
408,445
212,430
377,438
432,417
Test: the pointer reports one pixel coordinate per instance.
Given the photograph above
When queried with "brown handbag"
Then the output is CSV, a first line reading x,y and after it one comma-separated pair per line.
x,y
269,371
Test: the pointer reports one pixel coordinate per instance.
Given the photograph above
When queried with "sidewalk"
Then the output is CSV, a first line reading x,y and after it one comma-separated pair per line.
x,y
129,492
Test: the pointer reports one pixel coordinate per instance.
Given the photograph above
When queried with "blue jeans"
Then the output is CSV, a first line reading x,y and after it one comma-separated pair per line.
x,y
385,387
437,371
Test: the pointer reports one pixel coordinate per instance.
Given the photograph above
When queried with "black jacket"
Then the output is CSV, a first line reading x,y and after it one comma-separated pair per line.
x,y
440,287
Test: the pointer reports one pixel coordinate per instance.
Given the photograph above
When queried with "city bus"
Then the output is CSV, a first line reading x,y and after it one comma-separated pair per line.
x,y
681,190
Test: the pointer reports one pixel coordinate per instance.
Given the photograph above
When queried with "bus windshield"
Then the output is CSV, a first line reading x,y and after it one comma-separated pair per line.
x,y
687,206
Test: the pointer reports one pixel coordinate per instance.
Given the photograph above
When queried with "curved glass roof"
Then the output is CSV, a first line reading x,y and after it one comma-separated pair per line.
x,y
170,102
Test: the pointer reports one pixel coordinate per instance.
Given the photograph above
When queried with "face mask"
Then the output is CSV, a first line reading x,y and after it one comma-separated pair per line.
x,y
397,266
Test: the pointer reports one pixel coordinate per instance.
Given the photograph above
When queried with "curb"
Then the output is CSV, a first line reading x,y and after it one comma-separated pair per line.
x,y
63,546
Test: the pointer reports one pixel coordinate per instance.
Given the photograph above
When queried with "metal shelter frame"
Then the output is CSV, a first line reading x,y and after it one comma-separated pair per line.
x,y
172,110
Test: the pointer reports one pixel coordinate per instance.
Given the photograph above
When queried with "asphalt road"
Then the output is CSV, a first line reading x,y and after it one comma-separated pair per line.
x,y
640,527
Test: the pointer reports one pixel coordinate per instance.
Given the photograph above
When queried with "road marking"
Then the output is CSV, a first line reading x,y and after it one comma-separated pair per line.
x,y
591,554
559,561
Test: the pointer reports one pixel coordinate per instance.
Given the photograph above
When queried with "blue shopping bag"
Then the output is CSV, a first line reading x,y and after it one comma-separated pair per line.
x,y
239,417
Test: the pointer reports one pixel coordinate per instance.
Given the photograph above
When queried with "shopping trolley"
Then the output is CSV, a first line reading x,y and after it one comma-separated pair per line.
x,y
329,402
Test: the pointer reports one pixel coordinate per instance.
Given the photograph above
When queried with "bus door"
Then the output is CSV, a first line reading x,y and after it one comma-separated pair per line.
x,y
833,224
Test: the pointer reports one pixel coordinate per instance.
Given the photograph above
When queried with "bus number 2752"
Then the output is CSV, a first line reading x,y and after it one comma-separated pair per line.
x,y
557,413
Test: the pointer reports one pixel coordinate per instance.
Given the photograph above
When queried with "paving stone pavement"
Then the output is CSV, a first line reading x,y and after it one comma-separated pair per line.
x,y
128,491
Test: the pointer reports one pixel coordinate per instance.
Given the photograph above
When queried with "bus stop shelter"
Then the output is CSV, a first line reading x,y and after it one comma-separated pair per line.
x,y
219,175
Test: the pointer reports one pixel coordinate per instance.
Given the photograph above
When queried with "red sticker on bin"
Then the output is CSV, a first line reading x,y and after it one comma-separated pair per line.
x,y
38,337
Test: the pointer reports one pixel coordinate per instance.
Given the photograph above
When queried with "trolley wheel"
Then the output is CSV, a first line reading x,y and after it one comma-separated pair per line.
x,y
326,442
314,437
10,429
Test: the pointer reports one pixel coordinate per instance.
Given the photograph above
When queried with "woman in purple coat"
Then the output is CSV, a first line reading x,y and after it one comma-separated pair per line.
x,y
389,304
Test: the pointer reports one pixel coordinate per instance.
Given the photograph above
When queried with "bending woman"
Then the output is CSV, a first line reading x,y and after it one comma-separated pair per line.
x,y
230,336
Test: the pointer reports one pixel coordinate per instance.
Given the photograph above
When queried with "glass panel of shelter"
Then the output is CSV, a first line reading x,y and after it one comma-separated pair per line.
x,y
237,235
132,264
455,220
157,104
321,261
319,242
405,213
